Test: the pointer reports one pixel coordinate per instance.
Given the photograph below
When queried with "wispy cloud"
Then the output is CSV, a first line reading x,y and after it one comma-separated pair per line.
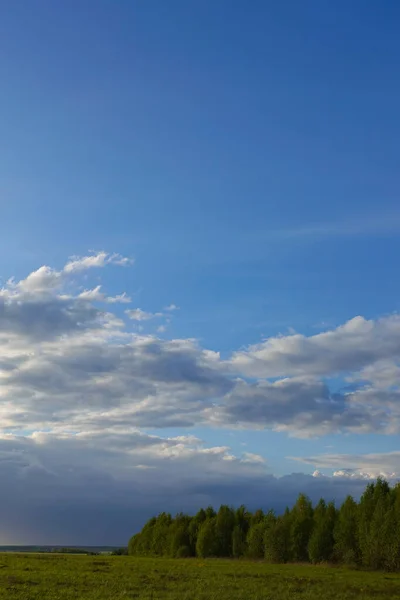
x,y
372,225
97,259
137,314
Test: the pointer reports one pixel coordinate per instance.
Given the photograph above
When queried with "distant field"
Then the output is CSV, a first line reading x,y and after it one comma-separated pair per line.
x,y
25,549
58,577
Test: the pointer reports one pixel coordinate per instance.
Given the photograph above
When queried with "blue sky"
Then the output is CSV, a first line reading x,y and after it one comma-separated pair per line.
x,y
246,157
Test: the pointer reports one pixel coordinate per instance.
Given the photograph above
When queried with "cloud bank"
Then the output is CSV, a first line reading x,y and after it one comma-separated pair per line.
x,y
79,383
98,488
358,466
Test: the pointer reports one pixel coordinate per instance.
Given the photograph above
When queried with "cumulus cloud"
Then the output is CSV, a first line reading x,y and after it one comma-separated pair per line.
x,y
64,359
46,279
299,405
41,318
349,347
141,380
40,307
42,280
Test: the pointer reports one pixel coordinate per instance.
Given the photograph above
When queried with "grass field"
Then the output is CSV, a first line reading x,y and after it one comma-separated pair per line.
x,y
58,577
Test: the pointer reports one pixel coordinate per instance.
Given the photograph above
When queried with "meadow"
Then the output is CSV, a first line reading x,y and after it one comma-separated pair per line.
x,y
59,577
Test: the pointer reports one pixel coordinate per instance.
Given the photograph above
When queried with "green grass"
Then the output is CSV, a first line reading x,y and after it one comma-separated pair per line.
x,y
59,577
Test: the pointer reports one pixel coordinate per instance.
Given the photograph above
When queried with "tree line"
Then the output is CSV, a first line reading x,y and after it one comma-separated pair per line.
x,y
364,533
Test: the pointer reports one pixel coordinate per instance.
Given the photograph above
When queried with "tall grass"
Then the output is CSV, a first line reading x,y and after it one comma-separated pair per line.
x,y
59,577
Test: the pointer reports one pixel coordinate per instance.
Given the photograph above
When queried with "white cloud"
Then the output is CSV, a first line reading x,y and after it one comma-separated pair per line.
x,y
58,347
171,307
65,363
137,314
96,295
42,280
357,466
349,347
119,298
46,279
95,260
250,457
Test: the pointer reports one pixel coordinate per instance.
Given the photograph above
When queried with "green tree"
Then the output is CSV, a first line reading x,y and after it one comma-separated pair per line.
x,y
391,532
224,525
210,512
346,548
179,537
367,533
207,544
370,513
239,546
320,546
242,518
195,524
142,543
301,528
255,540
277,540
380,527
256,517
160,544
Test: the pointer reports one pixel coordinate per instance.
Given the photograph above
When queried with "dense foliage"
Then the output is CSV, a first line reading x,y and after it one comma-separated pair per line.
x,y
366,533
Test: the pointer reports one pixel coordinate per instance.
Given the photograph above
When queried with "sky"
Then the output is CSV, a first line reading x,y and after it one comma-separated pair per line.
x,y
199,241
